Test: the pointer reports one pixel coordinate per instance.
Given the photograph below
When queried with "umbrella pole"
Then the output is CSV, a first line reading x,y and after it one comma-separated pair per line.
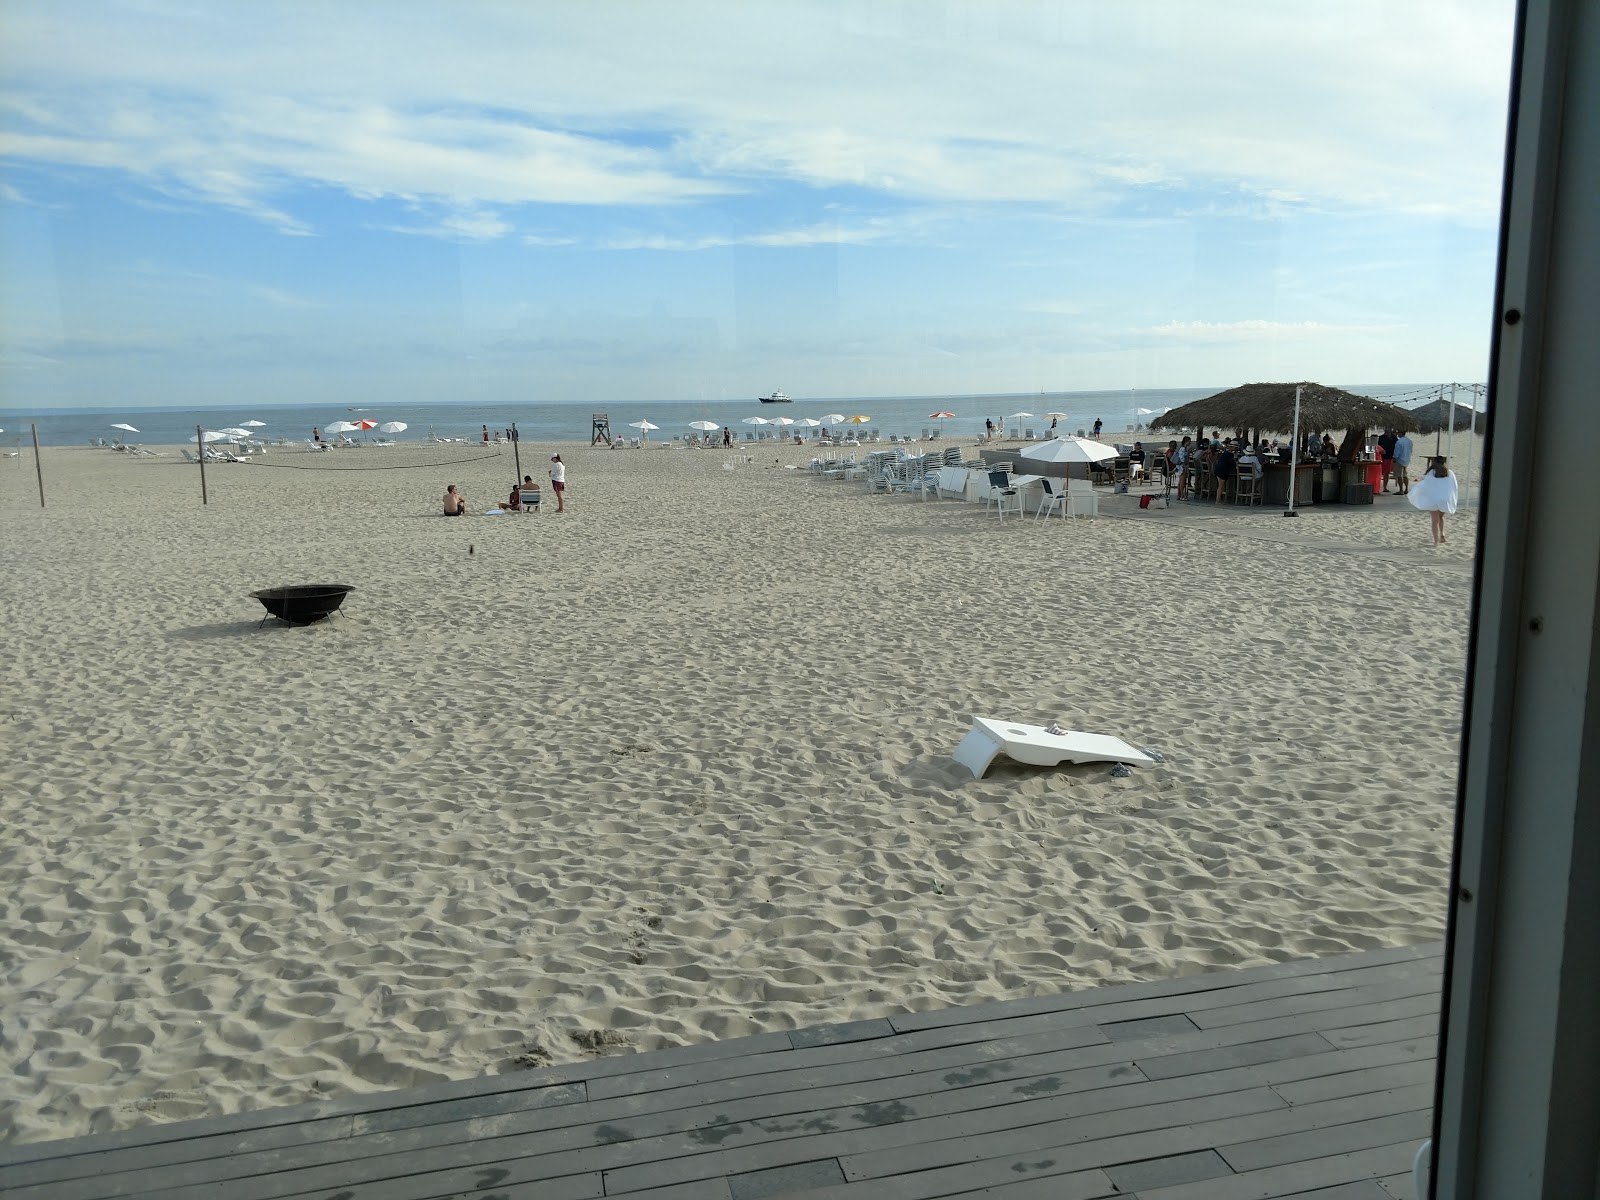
x,y
516,452
200,445
38,469
1294,454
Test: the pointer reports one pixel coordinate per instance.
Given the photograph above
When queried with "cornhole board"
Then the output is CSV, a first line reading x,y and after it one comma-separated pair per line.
x,y
1034,745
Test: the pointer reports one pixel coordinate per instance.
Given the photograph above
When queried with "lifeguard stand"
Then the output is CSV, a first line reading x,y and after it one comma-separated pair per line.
x,y
600,430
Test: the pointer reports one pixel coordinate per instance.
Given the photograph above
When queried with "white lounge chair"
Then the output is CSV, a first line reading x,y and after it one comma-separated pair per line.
x,y
1038,747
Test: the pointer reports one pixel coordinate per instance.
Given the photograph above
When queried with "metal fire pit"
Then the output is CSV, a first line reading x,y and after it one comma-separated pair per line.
x,y
302,604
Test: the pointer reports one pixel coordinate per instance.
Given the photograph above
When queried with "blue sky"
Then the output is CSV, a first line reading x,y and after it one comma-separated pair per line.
x,y
225,202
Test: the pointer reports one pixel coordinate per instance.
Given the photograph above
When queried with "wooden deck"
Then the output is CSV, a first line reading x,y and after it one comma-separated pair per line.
x,y
1307,1079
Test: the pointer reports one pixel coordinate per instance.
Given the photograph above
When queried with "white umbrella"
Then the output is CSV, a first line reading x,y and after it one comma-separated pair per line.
x,y
783,420
808,422
704,426
834,418
343,427
121,425
212,435
757,421
1069,450
254,424
393,427
1020,417
234,431
645,425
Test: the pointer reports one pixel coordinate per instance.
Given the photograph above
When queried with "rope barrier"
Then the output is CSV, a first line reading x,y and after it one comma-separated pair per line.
x,y
449,462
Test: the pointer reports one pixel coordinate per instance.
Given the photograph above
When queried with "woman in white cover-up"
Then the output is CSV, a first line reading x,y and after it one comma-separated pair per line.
x,y
1435,494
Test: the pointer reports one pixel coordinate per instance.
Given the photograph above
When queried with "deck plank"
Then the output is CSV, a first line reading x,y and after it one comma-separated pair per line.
x,y
1306,1080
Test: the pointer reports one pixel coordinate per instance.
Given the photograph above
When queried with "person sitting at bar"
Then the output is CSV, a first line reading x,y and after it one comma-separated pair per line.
x,y
1136,455
1250,463
1224,468
1329,450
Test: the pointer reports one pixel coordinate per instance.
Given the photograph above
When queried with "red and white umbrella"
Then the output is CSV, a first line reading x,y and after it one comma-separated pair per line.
x,y
940,417
366,424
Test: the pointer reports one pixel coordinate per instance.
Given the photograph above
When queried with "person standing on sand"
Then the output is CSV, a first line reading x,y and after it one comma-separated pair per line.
x,y
1402,459
558,480
1097,427
316,435
1435,494
485,435
727,436
1386,444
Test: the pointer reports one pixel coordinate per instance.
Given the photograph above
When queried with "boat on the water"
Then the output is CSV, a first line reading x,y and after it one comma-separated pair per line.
x,y
775,398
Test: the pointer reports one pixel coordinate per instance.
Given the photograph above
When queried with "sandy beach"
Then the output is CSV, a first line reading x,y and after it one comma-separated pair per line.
x,y
669,767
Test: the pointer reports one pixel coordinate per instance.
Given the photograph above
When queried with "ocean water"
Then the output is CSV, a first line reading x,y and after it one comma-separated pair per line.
x,y
570,422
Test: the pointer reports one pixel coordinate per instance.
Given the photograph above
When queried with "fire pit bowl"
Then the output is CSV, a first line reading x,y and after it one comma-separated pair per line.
x,y
302,604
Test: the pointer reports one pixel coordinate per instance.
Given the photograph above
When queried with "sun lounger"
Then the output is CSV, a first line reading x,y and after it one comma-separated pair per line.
x,y
1038,747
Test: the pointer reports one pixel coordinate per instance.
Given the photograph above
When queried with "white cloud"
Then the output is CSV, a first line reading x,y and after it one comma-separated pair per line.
x,y
1343,104
1225,332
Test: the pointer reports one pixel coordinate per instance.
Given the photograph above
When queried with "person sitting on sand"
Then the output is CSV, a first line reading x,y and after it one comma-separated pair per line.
x,y
514,501
455,504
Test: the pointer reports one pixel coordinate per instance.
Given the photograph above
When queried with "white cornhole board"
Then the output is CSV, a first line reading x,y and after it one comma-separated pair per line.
x,y
1033,745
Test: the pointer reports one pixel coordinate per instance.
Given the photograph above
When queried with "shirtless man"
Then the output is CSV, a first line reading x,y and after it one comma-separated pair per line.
x,y
455,504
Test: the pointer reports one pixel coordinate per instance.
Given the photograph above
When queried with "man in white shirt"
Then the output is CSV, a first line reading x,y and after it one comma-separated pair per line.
x,y
558,480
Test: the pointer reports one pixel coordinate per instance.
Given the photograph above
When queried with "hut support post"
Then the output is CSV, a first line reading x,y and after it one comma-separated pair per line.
x,y
38,469
1450,446
1294,456
1472,442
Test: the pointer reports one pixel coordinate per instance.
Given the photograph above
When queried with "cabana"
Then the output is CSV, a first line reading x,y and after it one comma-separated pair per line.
x,y
1254,407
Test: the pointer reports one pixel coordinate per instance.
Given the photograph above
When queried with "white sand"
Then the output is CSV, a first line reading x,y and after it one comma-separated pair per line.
x,y
673,766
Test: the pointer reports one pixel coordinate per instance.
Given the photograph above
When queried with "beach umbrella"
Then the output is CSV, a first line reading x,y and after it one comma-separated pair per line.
x,y
1069,450
783,420
858,419
342,427
834,418
643,427
393,427
1020,416
213,435
121,425
366,424
808,422
704,426
234,431
757,421
940,417
254,424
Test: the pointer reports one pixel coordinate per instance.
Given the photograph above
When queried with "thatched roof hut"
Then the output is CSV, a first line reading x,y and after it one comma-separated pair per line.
x,y
1271,406
1435,415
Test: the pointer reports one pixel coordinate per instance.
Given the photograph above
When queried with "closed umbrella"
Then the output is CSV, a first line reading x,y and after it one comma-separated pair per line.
x,y
393,427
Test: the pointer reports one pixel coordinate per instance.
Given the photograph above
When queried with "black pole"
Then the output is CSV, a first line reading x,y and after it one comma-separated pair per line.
x,y
516,452
37,469
200,447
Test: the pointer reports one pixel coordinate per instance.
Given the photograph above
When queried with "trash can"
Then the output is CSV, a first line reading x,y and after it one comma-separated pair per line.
x,y
1358,493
